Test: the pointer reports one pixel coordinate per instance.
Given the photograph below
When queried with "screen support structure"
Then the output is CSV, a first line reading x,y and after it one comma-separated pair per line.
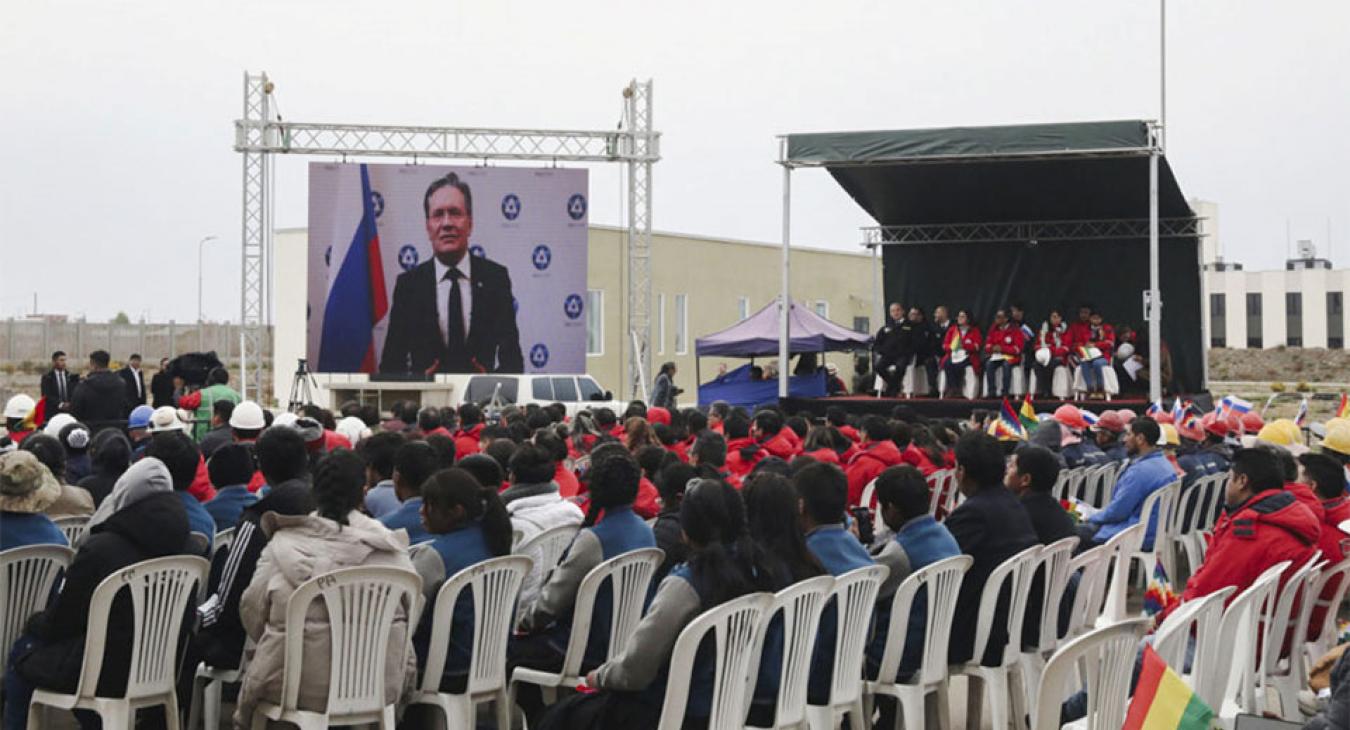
x,y
261,133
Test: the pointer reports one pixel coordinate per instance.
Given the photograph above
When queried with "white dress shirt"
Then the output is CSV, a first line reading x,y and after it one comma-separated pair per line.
x,y
443,284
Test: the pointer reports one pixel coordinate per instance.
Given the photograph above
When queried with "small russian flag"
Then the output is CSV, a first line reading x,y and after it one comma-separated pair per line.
x,y
1089,417
1179,408
1155,408
1234,403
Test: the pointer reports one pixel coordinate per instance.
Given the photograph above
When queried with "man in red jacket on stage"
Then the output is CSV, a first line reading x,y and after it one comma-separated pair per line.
x,y
878,453
1003,345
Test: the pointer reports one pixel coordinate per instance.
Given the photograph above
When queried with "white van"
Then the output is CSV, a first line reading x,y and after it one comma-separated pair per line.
x,y
576,392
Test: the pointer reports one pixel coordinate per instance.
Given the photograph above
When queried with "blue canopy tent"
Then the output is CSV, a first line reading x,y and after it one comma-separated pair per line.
x,y
757,336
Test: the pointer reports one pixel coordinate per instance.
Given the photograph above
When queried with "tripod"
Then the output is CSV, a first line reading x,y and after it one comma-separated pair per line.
x,y
302,387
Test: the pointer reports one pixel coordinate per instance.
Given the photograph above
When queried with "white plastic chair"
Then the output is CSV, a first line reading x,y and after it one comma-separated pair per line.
x,y
74,528
1053,564
855,598
941,485
971,384
801,605
1293,608
1246,623
942,582
1001,683
1157,510
1123,544
161,591
737,627
1321,636
1059,383
1201,619
27,575
1095,566
494,584
545,549
224,539
629,576
363,604
1105,658
208,684
915,381
1110,383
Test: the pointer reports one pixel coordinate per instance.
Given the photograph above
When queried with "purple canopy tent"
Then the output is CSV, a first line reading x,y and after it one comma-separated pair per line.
x,y
757,336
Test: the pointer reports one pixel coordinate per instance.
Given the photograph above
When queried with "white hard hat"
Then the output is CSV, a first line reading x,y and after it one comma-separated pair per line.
x,y
285,418
58,422
165,418
1043,356
1125,351
353,428
20,406
247,416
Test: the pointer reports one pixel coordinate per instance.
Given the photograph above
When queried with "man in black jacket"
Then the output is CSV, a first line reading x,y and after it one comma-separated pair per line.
x,y
454,313
161,385
58,385
134,380
990,526
100,399
886,346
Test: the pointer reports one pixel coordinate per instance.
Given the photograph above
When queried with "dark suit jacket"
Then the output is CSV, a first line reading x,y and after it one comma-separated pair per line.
x,y
414,343
52,394
130,378
161,389
990,526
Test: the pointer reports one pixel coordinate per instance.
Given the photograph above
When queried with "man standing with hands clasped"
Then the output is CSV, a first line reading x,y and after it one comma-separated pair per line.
x,y
454,313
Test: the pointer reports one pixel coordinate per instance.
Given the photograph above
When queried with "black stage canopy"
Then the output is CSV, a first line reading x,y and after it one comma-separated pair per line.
x,y
1049,215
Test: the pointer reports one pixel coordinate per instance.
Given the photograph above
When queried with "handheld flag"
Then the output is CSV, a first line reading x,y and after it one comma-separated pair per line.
x,y
1009,417
1236,404
1302,413
356,298
1154,408
1179,408
1089,417
1158,595
1163,701
1028,414
1343,410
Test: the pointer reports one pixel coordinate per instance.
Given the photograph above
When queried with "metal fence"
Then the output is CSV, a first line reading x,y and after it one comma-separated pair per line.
x,y
29,343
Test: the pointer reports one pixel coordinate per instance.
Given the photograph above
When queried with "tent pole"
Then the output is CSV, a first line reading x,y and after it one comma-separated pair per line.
x,y
878,309
698,380
785,302
1154,295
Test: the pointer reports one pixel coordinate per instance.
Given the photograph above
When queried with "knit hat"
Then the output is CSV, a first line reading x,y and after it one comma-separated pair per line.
x,y
26,485
75,437
310,430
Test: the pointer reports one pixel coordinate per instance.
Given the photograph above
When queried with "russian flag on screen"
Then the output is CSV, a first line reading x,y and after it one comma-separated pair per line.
x,y
356,299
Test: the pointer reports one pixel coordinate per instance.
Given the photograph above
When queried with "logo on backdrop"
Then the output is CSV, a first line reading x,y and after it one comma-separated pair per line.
x,y
576,206
511,206
407,257
539,355
476,250
377,202
541,257
328,256
572,306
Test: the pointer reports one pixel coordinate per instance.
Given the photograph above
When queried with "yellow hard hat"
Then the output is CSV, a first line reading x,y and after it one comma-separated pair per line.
x,y
1338,438
1275,433
1169,435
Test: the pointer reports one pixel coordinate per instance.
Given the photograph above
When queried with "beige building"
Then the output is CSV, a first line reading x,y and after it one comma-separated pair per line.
x,y
700,285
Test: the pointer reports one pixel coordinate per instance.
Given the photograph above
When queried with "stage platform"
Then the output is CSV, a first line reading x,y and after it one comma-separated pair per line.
x,y
960,408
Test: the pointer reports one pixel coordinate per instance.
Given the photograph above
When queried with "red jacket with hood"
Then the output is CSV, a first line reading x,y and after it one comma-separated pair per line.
x,y
875,457
970,342
466,441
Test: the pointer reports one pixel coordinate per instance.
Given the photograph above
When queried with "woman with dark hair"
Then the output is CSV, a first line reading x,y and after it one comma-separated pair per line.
x,y
961,352
724,563
1051,351
663,388
300,547
824,443
468,524
109,457
546,622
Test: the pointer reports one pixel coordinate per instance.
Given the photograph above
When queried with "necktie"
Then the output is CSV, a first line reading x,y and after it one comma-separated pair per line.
x,y
140,384
454,341
61,383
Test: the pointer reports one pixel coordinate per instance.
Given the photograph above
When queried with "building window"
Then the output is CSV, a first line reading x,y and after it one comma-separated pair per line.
x,y
1218,318
823,308
862,324
1336,320
681,324
661,324
595,322
1293,319
1254,321
742,308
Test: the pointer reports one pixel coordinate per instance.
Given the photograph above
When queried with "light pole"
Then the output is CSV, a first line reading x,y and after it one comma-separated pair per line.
x,y
200,245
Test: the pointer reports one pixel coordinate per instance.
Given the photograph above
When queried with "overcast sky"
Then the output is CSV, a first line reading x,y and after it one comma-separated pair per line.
x,y
119,115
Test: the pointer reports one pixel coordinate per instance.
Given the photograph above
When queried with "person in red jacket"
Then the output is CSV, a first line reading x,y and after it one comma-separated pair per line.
x,y
768,430
470,429
1092,348
743,451
878,453
1054,340
1262,526
960,352
825,443
1003,345
1325,475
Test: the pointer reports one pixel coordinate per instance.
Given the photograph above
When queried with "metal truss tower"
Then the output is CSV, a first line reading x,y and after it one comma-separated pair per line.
x,y
258,136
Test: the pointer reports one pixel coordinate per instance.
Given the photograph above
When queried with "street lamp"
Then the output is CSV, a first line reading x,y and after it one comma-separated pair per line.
x,y
200,244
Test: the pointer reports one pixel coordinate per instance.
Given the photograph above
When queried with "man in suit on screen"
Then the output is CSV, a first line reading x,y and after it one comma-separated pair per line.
x,y
454,313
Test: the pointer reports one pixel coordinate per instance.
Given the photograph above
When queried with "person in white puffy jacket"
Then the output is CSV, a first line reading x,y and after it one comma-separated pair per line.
x,y
534,504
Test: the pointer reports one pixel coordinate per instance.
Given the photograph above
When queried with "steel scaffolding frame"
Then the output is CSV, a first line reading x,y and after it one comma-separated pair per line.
x,y
258,136
1024,231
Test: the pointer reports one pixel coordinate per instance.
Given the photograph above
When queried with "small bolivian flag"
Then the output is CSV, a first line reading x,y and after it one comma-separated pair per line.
x,y
1163,701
